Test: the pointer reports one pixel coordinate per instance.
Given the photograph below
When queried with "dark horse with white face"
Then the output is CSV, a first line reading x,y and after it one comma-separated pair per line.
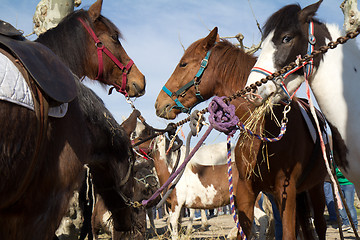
x,y
334,79
34,192
284,168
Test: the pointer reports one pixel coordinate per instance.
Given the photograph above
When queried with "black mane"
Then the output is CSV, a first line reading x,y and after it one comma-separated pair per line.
x,y
106,133
276,21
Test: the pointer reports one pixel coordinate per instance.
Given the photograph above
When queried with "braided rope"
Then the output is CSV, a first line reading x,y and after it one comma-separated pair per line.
x,y
264,139
231,189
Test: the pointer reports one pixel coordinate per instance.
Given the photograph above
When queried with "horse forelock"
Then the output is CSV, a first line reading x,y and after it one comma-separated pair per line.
x,y
282,19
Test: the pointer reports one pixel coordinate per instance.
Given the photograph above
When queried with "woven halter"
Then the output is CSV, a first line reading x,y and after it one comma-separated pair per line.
x,y
194,82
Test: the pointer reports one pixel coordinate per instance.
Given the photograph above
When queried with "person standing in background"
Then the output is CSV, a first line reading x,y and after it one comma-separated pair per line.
x,y
348,190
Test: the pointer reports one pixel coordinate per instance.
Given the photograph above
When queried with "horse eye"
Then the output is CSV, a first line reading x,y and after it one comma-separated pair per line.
x,y
287,39
115,37
182,64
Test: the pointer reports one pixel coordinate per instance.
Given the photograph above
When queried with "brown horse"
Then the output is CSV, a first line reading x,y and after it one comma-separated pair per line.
x,y
35,191
292,165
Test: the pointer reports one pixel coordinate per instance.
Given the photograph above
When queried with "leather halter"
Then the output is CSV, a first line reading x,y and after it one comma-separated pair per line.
x,y
308,66
182,91
102,49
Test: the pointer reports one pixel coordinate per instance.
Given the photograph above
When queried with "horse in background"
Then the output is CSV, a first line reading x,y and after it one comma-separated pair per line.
x,y
285,37
284,168
32,206
203,185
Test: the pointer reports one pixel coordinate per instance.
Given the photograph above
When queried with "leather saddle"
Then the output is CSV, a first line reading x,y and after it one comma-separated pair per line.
x,y
48,71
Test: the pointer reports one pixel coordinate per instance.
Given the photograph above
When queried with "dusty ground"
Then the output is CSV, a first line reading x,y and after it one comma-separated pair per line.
x,y
220,227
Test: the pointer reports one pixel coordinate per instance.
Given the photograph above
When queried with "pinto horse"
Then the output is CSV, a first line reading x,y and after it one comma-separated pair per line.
x,y
201,186
334,79
290,166
35,191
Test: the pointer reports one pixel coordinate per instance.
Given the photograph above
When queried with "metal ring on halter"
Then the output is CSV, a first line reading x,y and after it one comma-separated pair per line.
x,y
99,45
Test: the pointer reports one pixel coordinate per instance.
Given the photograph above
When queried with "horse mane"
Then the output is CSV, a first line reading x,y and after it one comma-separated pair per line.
x,y
276,20
68,39
233,64
106,134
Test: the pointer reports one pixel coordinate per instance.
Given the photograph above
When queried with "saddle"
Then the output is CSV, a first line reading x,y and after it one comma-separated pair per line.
x,y
48,71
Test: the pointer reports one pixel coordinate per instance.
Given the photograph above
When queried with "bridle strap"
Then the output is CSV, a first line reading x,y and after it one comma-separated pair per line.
x,y
194,82
102,49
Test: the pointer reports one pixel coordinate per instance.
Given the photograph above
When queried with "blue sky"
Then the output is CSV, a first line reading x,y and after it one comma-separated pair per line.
x,y
153,31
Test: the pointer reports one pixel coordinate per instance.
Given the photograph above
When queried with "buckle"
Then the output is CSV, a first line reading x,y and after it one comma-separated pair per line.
x,y
312,39
204,63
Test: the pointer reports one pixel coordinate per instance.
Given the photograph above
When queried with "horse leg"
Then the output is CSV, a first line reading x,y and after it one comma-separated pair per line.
x,y
245,202
204,222
286,196
174,216
150,214
303,215
317,197
190,222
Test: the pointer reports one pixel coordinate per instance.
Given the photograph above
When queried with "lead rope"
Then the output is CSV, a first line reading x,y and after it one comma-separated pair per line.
x,y
222,118
231,189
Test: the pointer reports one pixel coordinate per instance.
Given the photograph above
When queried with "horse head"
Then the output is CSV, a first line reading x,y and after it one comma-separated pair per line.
x,y
288,33
209,67
90,46
183,89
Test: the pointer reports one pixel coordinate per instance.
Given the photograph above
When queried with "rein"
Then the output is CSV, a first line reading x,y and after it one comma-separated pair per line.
x,y
102,49
182,91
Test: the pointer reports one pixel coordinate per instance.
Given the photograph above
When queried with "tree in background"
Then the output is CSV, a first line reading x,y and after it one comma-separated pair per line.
x,y
49,13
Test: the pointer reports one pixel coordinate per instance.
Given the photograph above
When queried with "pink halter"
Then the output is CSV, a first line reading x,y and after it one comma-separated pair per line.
x,y
100,49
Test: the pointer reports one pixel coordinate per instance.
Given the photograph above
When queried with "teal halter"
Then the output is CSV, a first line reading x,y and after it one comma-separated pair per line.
x,y
182,91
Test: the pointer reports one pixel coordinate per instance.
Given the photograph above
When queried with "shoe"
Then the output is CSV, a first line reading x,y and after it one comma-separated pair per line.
x,y
197,218
351,230
345,228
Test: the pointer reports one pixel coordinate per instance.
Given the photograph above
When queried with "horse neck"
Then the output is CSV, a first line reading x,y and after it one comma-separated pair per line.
x,y
230,69
162,166
335,83
68,44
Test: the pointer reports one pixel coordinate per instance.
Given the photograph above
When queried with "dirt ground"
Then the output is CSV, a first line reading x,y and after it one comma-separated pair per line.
x,y
220,226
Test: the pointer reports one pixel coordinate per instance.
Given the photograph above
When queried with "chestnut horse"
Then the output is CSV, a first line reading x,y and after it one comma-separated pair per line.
x,y
292,165
334,79
32,207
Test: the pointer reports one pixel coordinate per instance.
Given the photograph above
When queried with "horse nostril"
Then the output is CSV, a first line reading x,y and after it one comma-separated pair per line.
x,y
140,91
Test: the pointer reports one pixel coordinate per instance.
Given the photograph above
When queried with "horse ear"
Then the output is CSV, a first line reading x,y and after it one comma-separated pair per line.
x,y
210,40
95,10
308,12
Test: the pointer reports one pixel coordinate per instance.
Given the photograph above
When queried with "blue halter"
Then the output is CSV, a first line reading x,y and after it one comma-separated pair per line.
x,y
182,91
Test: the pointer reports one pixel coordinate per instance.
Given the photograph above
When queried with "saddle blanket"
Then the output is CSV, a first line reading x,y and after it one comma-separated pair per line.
x,y
13,88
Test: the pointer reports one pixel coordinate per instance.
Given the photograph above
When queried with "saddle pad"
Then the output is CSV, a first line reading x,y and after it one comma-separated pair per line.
x,y
46,68
311,127
13,88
